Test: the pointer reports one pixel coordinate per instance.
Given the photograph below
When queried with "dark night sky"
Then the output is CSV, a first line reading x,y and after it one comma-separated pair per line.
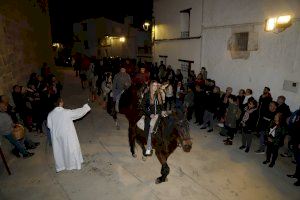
x,y
64,12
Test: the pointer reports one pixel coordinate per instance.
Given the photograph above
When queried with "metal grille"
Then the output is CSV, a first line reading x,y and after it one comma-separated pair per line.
x,y
242,41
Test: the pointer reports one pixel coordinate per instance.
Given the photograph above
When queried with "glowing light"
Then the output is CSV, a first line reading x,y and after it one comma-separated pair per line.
x,y
278,24
122,39
146,26
56,45
284,19
271,24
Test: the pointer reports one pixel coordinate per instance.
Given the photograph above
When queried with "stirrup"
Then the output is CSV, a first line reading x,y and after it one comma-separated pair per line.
x,y
148,152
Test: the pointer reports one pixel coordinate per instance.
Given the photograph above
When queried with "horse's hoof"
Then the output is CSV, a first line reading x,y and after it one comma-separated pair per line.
x,y
134,155
159,180
144,158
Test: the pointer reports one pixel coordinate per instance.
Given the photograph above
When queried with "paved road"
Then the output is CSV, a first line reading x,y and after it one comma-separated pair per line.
x,y
210,171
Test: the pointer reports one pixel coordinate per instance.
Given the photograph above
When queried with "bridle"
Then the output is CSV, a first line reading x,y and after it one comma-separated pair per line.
x,y
183,124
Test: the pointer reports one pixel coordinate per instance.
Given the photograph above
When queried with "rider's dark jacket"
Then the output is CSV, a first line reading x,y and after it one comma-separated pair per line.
x,y
147,108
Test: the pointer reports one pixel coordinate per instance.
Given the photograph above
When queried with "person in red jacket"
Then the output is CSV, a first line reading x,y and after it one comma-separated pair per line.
x,y
142,77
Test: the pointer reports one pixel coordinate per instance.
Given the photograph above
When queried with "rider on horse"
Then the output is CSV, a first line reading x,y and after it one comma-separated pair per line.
x,y
152,105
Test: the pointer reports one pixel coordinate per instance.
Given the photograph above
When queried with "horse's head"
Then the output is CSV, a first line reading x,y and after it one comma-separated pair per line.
x,y
183,130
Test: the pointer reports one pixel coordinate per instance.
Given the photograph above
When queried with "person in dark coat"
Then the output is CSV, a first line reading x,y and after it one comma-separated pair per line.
x,y
21,108
224,103
212,105
170,75
178,76
263,106
189,103
154,72
282,107
275,136
295,133
240,98
199,103
267,118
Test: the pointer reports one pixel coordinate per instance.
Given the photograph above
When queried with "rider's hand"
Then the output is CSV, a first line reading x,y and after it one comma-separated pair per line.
x,y
152,116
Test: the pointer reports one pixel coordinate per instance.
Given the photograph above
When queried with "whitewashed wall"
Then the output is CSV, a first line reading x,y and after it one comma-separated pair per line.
x,y
167,26
182,49
278,56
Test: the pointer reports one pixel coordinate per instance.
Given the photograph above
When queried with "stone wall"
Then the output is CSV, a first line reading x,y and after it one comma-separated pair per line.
x,y
25,40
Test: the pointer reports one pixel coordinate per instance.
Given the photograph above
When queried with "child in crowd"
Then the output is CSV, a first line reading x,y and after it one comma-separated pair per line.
x,y
232,115
248,124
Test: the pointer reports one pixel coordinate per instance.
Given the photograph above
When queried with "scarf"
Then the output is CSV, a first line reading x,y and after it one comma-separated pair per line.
x,y
247,114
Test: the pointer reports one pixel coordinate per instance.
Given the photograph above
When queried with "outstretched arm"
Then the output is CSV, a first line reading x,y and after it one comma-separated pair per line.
x,y
79,112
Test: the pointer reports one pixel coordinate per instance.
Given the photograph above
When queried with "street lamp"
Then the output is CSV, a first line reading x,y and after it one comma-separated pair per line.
x,y
278,24
122,39
146,26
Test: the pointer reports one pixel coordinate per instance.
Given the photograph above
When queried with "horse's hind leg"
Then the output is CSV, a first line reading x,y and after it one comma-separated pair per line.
x,y
143,149
165,169
131,137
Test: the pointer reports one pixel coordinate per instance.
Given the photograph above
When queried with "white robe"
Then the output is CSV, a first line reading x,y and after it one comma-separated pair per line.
x,y
66,147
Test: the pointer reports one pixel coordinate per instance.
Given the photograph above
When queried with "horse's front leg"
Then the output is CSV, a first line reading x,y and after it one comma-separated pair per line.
x,y
114,115
165,169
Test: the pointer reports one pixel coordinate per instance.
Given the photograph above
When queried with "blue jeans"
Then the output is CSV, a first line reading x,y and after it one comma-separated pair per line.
x,y
16,143
179,104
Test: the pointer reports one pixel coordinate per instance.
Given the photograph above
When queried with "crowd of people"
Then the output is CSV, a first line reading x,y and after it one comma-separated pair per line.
x,y
268,119
271,121
32,103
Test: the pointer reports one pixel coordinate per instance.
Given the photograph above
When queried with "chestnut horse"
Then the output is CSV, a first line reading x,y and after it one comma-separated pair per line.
x,y
169,133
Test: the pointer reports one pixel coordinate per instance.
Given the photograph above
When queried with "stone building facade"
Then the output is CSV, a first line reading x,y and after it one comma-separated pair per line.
x,y
205,33
25,40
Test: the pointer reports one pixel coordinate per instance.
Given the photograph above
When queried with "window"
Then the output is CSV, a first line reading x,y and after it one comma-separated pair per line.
x,y
185,23
84,26
86,44
241,41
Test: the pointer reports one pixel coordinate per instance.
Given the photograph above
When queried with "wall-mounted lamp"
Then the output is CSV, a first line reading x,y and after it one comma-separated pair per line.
x,y
278,24
146,26
122,39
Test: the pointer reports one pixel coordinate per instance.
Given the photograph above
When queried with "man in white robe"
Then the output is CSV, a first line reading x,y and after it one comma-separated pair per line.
x,y
66,147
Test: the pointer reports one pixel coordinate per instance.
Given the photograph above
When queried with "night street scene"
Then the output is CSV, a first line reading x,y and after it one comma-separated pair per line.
x,y
150,99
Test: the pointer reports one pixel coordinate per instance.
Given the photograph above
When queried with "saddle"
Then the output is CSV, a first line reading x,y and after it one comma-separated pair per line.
x,y
141,123
153,122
